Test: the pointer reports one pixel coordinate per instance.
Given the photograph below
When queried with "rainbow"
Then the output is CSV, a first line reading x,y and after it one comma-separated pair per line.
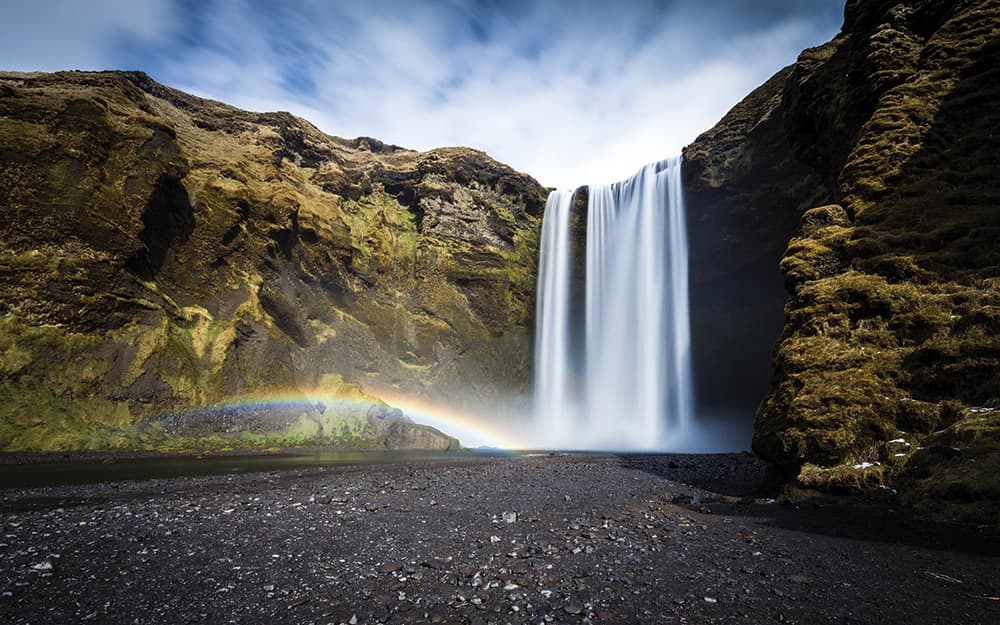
x,y
471,429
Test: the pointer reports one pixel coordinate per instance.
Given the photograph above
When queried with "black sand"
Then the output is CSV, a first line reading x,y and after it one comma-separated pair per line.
x,y
586,539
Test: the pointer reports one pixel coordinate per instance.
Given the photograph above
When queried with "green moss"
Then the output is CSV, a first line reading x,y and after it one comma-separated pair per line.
x,y
816,256
845,477
229,185
433,184
956,476
146,340
852,366
181,368
40,421
384,236
26,354
28,138
304,429
521,273
892,329
37,420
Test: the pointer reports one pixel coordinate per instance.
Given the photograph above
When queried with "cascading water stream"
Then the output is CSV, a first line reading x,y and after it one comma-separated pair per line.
x,y
636,388
552,344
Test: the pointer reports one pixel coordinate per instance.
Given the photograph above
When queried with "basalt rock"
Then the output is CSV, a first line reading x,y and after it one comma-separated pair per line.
x,y
744,191
891,338
160,252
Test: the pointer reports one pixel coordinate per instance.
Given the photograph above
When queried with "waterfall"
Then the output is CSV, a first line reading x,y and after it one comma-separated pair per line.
x,y
552,334
629,387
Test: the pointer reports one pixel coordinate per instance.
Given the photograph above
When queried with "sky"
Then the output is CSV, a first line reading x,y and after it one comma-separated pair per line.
x,y
571,92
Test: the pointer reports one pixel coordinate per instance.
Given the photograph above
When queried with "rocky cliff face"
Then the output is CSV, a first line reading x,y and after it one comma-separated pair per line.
x,y
888,366
159,251
744,191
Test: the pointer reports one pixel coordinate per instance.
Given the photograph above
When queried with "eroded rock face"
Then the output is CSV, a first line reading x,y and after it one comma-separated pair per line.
x,y
892,330
744,191
167,251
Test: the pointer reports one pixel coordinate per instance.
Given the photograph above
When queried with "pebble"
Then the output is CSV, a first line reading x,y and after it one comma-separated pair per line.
x,y
616,553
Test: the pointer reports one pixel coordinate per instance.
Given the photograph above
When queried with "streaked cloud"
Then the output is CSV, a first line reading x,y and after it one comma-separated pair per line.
x,y
50,35
570,92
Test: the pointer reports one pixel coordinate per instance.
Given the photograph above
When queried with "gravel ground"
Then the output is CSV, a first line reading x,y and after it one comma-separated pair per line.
x,y
534,539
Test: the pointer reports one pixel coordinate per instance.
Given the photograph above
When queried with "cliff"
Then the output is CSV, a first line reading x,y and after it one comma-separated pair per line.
x,y
882,145
744,191
160,252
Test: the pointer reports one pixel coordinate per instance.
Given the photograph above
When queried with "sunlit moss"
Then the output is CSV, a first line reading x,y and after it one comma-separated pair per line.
x,y
892,329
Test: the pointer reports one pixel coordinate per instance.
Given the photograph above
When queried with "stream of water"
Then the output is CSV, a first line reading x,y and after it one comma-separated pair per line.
x,y
624,381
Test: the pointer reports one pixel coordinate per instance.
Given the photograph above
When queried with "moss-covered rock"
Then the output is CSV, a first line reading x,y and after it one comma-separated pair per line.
x,y
881,146
956,473
176,252
892,321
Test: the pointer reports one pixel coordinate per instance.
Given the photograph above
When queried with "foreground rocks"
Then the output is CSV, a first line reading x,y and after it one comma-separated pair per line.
x,y
537,539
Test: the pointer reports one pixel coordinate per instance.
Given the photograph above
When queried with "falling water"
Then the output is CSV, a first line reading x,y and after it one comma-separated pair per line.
x,y
552,344
635,391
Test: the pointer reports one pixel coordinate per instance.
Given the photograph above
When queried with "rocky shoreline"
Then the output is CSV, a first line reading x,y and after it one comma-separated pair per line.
x,y
529,539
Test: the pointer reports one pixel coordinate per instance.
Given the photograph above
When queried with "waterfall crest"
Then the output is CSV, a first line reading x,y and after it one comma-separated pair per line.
x,y
629,387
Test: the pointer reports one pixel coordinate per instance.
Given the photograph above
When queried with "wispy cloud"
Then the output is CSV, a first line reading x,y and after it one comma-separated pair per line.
x,y
50,35
571,92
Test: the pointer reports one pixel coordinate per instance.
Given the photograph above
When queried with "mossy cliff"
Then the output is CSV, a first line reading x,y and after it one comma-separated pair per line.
x,y
887,371
160,251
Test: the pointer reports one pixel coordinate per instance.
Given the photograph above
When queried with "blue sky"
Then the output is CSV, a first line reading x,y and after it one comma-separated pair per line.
x,y
570,92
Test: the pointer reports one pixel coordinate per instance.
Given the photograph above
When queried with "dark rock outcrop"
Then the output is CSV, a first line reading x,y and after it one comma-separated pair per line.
x,y
744,191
